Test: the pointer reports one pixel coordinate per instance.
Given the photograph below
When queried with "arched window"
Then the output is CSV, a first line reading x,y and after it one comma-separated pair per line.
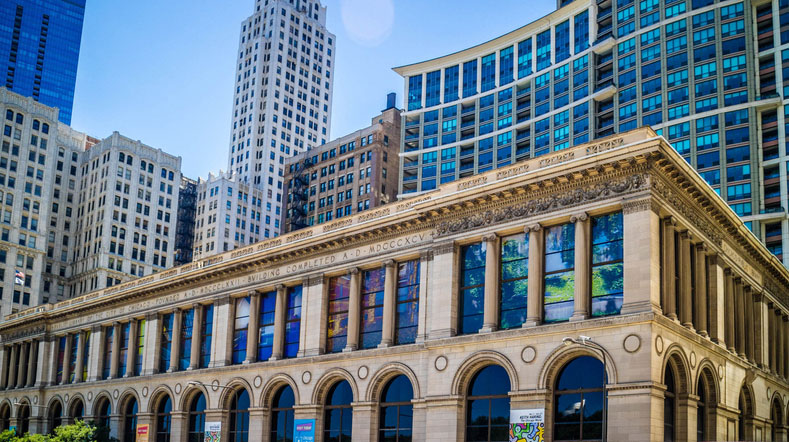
x,y
77,410
130,421
239,416
669,406
579,410
701,412
488,405
5,417
55,416
282,415
775,417
103,411
396,413
23,418
338,416
197,418
163,419
742,405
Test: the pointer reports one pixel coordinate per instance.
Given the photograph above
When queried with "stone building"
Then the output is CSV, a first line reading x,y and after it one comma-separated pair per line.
x,y
345,176
606,285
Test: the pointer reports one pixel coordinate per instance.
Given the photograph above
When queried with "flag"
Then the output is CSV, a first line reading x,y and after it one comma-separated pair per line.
x,y
19,277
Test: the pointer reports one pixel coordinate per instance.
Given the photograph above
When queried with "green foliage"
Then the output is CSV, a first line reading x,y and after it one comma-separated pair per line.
x,y
80,431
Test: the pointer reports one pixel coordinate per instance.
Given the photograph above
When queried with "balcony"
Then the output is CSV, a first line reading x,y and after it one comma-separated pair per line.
x,y
768,101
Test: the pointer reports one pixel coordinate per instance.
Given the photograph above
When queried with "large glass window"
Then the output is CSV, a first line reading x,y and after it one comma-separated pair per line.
x,y
338,415
414,92
472,287
469,78
282,415
407,312
72,360
61,359
514,280
701,412
240,329
395,420
130,421
607,267
559,272
339,294
163,419
581,37
524,58
543,50
505,66
109,333
488,72
206,333
669,406
372,308
55,416
197,418
293,322
579,400
139,347
563,41
165,344
84,356
268,303
124,349
239,416
451,77
102,413
488,405
433,89
187,324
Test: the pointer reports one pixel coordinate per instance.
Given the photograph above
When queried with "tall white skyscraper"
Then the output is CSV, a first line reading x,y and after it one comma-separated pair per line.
x,y
283,96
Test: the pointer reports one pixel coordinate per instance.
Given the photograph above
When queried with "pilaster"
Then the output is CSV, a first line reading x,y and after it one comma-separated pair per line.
x,y
390,304
443,291
175,343
314,308
280,312
425,269
253,332
197,336
354,310
641,253
685,283
222,337
152,345
80,365
535,284
669,269
701,289
583,265
96,352
716,295
490,321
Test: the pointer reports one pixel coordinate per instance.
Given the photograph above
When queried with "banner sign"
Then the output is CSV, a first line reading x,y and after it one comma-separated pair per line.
x,y
142,433
304,430
527,425
213,431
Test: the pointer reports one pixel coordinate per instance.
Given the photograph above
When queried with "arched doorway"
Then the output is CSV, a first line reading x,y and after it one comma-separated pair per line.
x,y
239,416
77,411
396,414
776,417
130,420
23,418
670,405
282,415
197,408
488,405
5,417
55,415
338,413
579,400
164,409
102,412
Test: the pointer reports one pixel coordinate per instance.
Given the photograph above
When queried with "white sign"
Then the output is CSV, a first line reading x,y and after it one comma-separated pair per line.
x,y
527,425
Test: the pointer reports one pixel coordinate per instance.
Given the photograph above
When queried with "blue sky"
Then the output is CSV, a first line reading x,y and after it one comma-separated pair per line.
x,y
161,71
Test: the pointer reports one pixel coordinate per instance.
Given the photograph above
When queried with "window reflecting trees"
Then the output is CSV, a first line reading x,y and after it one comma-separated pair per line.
x,y
407,319
395,420
488,405
282,415
239,416
559,272
607,264
240,330
372,308
338,414
472,287
514,280
197,418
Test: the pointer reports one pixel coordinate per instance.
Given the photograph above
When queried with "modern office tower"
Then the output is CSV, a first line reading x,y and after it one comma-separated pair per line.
x,y
345,176
78,213
230,213
185,222
283,95
39,50
708,75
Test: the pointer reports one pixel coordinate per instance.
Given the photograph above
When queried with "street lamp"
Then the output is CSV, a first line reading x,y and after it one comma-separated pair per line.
x,y
206,385
588,342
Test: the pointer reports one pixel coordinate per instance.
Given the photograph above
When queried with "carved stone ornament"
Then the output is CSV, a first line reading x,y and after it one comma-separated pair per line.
x,y
528,354
678,203
550,203
257,382
640,205
363,372
306,377
441,363
659,345
631,343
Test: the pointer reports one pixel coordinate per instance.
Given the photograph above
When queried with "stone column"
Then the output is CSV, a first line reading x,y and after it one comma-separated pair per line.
x,y
490,321
54,349
4,356
79,366
779,325
97,351
729,328
771,337
280,313
534,298
739,302
314,308
152,345
716,296
583,266
131,348
222,338
354,310
390,304
443,291
784,339
32,364
701,289
748,321
641,251
67,359
669,269
197,336
175,343
22,367
758,329
685,287
44,360
425,270
116,351
253,330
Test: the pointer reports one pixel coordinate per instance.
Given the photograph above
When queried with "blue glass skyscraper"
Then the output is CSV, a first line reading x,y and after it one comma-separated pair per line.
x,y
39,50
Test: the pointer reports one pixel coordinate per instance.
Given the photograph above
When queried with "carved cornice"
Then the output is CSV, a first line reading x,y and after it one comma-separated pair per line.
x,y
561,199
20,334
683,206
640,205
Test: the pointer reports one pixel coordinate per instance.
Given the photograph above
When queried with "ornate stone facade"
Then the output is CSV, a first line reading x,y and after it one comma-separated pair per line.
x,y
701,298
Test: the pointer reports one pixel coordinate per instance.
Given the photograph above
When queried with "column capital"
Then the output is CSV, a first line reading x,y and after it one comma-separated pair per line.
x,y
640,205
426,255
116,323
312,280
670,221
252,292
224,300
196,305
532,228
95,328
582,216
702,247
151,316
685,234
490,237
444,248
728,271
353,271
757,295
388,263
279,287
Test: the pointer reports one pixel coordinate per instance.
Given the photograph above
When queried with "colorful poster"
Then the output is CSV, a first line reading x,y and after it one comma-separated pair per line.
x,y
213,431
527,425
304,430
142,433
